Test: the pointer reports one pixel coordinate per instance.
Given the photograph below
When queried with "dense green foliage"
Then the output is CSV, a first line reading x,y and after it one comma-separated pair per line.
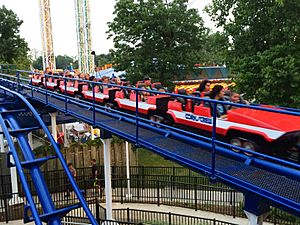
x,y
62,62
38,63
156,37
264,49
13,48
103,59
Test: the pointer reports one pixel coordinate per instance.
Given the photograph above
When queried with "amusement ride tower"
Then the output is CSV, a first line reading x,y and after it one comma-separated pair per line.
x,y
46,31
84,40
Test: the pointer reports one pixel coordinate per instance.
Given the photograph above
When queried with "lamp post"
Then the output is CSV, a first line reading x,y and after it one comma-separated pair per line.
x,y
94,54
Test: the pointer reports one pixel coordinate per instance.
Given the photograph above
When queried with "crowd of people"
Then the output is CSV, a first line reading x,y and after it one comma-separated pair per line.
x,y
218,92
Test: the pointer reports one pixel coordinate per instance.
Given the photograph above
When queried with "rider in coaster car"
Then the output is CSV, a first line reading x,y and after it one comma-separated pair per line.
x,y
181,99
105,80
217,93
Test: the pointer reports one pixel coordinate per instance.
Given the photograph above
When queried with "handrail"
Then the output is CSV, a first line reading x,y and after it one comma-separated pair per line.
x,y
283,111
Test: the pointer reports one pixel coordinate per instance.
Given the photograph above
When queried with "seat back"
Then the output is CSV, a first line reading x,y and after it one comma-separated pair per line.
x,y
174,105
96,89
119,94
202,111
133,97
189,105
85,87
69,84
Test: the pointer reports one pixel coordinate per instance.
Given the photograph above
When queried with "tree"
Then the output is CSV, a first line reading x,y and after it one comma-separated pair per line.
x,y
63,61
215,49
155,37
103,59
265,47
13,48
38,63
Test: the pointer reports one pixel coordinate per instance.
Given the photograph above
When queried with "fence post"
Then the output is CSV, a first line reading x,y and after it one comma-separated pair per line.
x,y
6,210
158,200
195,190
234,204
171,189
170,218
122,191
128,215
4,198
97,211
138,187
143,177
173,178
214,222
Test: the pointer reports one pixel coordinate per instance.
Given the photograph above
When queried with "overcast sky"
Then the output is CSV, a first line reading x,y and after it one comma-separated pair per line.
x,y
63,23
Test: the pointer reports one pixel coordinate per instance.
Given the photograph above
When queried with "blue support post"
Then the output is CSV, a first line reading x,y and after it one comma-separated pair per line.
x,y
256,209
38,180
31,86
66,97
94,111
213,138
52,217
18,80
46,89
137,117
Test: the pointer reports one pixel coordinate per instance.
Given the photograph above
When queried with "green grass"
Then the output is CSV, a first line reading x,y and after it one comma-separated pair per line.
x,y
147,158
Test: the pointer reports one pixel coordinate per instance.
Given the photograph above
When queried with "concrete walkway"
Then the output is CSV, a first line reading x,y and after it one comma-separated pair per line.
x,y
163,208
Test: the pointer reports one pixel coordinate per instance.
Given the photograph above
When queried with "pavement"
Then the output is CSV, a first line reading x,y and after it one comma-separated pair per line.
x,y
163,208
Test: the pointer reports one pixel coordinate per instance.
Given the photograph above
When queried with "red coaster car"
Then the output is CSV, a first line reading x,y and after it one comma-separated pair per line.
x,y
153,108
267,132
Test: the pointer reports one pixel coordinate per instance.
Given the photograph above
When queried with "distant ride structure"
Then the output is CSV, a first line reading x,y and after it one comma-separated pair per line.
x,y
47,38
84,39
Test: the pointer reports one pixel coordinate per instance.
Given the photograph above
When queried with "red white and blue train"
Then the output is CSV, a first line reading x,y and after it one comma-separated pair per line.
x,y
267,132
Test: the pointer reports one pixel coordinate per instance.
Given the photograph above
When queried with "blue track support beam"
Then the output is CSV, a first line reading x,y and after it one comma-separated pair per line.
x,y
36,174
37,178
21,173
255,204
105,134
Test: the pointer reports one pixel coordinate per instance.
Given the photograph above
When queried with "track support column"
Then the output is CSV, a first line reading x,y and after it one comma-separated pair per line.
x,y
13,176
30,140
106,138
64,130
92,133
54,126
256,209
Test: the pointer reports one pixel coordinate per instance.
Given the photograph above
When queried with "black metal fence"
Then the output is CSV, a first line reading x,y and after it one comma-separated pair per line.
x,y
169,186
155,218
140,217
